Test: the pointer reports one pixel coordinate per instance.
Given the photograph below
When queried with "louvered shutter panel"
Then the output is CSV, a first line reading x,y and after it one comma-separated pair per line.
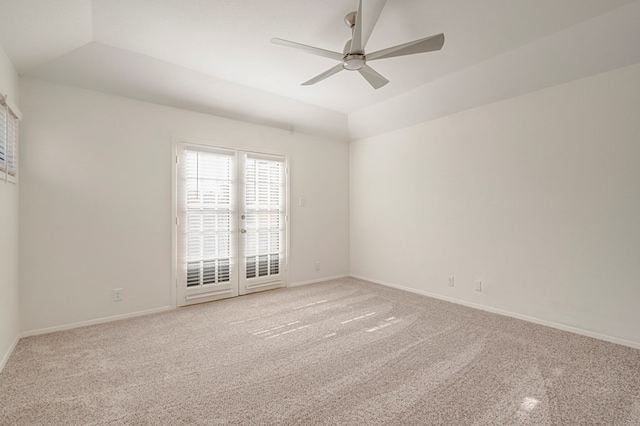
x,y
12,144
265,205
3,137
209,221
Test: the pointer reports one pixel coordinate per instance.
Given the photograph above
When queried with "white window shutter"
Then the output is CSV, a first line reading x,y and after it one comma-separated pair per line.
x,y
209,208
12,145
9,125
265,203
3,137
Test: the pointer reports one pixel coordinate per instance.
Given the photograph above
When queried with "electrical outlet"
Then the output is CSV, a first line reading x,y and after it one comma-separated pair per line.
x,y
317,266
478,285
117,294
450,282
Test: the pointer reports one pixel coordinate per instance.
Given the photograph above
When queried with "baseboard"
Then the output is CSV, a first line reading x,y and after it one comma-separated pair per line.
x,y
319,280
6,356
575,330
93,322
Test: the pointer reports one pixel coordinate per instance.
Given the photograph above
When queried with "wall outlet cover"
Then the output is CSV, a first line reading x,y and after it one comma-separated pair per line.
x,y
117,294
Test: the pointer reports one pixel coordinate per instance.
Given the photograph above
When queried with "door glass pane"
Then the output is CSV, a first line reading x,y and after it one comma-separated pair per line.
x,y
264,222
209,186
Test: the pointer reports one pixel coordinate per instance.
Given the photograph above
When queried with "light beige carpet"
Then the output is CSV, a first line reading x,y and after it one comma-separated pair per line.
x,y
341,352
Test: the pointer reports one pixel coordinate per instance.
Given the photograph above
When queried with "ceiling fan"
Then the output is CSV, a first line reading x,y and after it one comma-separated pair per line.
x,y
354,57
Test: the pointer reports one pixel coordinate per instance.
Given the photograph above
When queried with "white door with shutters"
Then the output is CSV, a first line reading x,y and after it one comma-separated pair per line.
x,y
231,223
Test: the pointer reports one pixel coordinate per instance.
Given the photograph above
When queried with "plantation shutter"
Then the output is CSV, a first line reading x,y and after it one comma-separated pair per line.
x,y
3,137
209,177
12,144
265,204
9,125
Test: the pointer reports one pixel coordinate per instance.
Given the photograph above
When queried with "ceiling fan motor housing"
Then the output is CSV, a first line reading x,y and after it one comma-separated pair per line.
x,y
354,62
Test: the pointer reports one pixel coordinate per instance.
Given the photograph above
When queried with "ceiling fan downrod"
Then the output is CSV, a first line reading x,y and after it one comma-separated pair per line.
x,y
352,61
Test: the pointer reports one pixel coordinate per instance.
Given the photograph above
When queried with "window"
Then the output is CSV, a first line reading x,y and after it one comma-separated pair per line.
x,y
264,207
3,138
209,210
9,135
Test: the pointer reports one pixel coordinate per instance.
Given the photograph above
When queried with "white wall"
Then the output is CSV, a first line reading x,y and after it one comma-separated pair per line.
x,y
108,69
538,196
96,201
9,317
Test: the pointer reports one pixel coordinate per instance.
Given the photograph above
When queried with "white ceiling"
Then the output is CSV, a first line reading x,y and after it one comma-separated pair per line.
x,y
185,53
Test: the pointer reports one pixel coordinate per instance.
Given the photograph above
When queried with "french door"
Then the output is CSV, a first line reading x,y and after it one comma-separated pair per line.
x,y
231,223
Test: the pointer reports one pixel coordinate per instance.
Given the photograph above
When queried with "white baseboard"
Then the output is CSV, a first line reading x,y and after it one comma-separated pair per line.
x,y
93,322
140,313
580,331
6,356
319,280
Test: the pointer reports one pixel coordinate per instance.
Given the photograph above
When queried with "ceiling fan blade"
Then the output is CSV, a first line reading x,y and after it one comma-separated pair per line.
x,y
373,77
427,44
309,49
366,20
327,73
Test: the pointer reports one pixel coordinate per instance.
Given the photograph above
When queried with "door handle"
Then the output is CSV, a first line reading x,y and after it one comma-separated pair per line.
x,y
243,231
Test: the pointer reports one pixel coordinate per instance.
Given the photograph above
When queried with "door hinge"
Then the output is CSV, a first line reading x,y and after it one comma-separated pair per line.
x,y
177,159
177,221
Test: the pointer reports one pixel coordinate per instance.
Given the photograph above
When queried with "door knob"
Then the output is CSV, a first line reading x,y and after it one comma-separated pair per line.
x,y
243,231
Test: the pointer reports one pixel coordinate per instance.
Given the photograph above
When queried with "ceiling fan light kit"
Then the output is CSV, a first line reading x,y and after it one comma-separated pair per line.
x,y
354,57
353,62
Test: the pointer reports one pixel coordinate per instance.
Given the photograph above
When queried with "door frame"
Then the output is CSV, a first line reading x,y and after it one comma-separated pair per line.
x,y
214,143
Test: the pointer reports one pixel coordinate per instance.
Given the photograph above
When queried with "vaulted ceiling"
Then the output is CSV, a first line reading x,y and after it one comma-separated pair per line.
x,y
216,56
